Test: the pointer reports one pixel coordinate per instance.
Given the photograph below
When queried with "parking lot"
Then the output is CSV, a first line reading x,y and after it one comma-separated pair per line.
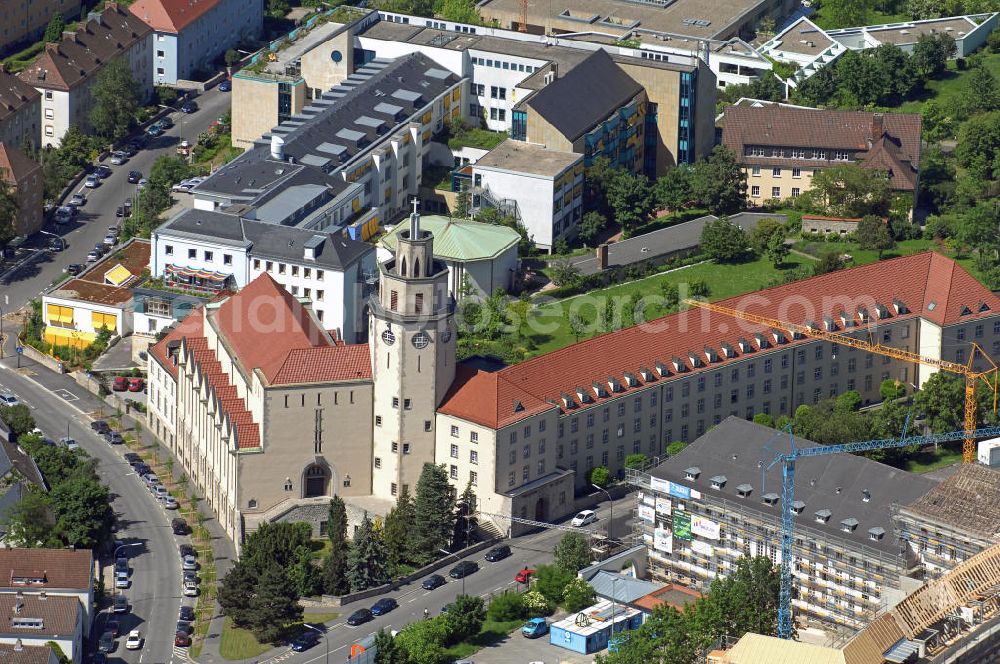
x,y
524,651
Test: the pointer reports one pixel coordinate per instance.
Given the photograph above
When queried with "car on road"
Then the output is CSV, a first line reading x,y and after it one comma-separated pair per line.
x,y
74,269
166,122
155,129
524,576
498,553
186,613
184,626
121,603
57,244
100,426
190,563
110,239
534,628
135,384
78,199
103,171
92,182
383,606
191,576
132,458
141,469
134,177
121,564
584,518
118,157
179,526
225,86
114,627
64,214
130,149
182,640
433,581
121,212
186,550
190,589
160,491
189,106
121,580
463,569
93,257
114,438
8,400
99,248
359,617
169,503
134,640
305,641
69,443
106,643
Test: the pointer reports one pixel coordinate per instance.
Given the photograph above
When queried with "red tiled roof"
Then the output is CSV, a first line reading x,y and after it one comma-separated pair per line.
x,y
895,149
14,94
61,568
327,363
14,164
191,327
170,15
263,324
232,406
928,284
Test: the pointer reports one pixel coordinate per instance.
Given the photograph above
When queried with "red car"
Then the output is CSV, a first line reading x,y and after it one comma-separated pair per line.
x,y
524,576
135,384
182,639
120,384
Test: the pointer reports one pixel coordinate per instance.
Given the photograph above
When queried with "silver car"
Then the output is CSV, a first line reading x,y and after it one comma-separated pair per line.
x,y
118,158
93,182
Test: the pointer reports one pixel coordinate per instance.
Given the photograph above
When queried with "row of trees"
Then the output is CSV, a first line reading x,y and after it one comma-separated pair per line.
x,y
75,511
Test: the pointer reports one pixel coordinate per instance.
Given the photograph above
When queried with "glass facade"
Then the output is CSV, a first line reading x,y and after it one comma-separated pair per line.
x,y
685,123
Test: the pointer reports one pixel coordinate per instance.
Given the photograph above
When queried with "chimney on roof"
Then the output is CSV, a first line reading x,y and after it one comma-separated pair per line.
x,y
878,126
552,74
18,646
602,256
18,601
42,595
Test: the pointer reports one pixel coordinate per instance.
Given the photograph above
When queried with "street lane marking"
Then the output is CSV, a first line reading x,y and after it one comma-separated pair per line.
x,y
63,393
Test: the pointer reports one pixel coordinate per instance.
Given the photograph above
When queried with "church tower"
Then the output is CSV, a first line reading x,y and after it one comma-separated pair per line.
x,y
412,338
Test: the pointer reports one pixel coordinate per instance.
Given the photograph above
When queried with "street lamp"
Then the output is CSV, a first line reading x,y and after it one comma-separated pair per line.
x,y
611,515
123,546
325,639
613,605
449,553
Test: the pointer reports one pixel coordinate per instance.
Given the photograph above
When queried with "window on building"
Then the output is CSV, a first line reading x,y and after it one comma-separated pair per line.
x,y
755,191
454,431
168,250
775,192
454,451
193,254
776,172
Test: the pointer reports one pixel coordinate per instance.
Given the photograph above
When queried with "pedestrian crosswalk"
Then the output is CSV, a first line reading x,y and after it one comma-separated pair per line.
x,y
180,655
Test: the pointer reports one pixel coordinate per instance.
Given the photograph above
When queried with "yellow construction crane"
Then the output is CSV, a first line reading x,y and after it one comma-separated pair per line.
x,y
972,377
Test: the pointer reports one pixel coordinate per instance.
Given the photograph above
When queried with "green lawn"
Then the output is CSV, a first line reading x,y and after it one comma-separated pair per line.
x,y
930,459
723,281
490,634
953,86
237,643
866,256
877,18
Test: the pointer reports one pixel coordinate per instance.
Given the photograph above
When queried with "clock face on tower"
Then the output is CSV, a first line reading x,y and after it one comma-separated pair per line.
x,y
388,338
421,340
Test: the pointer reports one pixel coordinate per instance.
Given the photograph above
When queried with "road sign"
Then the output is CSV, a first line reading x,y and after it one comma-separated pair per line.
x,y
20,349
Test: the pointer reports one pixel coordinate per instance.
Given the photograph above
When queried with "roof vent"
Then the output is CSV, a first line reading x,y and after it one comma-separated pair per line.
x,y
692,473
798,506
876,533
822,516
718,481
839,489
770,499
866,496
849,525
744,490
18,646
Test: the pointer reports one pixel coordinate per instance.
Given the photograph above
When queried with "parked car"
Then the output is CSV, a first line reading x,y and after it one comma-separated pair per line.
x,y
106,643
305,641
110,239
190,576
169,503
74,269
8,400
132,458
64,214
134,177
226,85
113,438
69,443
179,526
121,580
524,576
114,230
186,613
534,628
92,182
498,553
359,617
135,384
155,129
184,626
142,184
141,469
190,589
463,569
121,565
151,480
159,491
100,426
130,149
182,639
433,581
103,171
584,518
166,122
134,640
118,157
57,244
93,257
383,606
190,106
190,563
186,550
121,603
120,212
114,627
78,199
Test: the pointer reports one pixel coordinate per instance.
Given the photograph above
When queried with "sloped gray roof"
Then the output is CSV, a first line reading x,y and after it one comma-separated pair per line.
x,y
624,589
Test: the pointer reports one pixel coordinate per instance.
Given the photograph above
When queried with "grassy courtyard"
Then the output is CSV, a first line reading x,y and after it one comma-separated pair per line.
x,y
237,643
949,90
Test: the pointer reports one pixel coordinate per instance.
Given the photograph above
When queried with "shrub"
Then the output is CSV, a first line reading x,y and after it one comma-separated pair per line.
x,y
551,582
506,607
600,476
577,595
535,603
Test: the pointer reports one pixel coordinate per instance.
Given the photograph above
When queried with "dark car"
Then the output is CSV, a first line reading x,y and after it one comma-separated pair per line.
x,y
305,641
463,569
99,658
132,458
141,469
129,150
134,177
186,613
433,581
184,626
154,130
182,639
225,86
383,606
166,122
106,643
100,426
185,550
103,171
113,627
74,269
114,438
179,526
359,617
498,553
189,107
121,603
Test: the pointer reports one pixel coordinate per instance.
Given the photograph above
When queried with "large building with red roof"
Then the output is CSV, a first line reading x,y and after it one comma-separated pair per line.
x,y
525,436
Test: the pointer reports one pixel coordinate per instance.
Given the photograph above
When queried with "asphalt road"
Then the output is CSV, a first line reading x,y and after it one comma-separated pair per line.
x,y
91,224
155,590
491,579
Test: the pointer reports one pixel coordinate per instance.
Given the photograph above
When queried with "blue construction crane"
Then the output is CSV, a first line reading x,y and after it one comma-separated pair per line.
x,y
787,461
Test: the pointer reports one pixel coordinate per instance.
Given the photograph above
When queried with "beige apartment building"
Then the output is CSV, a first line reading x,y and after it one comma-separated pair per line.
x,y
20,110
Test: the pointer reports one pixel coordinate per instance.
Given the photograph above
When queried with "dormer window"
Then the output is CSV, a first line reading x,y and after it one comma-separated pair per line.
x,y
599,390
727,350
849,525
845,320
863,314
983,307
695,360
567,400
646,374
829,324
778,336
711,355
823,516
876,534
745,346
718,481
899,307
744,490
811,324
692,473
881,311
762,341
770,499
965,311
583,395
630,379
866,496
798,506
679,365
662,369
614,385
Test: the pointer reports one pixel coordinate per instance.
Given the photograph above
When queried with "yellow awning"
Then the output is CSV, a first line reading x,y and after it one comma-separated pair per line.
x,y
100,320
58,314
60,336
117,275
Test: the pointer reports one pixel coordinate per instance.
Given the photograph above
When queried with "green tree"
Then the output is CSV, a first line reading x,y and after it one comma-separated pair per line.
x,y
232,57
31,522
764,420
116,96
591,226
461,11
274,542
978,227
464,619
396,531
673,189
873,233
718,182
829,261
675,447
595,185
631,200
18,418
465,517
82,508
724,240
274,604
572,552
564,273
422,642
898,66
777,251
577,325
850,190
760,237
847,402
54,30
235,592
891,389
931,54
386,650
9,208
942,400
367,561
847,13
305,577
637,460
984,93
277,8
600,476
434,509
577,595
938,124
551,581
859,75
978,148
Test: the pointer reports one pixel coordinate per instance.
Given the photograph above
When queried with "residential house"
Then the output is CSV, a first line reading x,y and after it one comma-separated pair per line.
x,y
24,176
63,573
20,110
38,620
23,21
18,475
